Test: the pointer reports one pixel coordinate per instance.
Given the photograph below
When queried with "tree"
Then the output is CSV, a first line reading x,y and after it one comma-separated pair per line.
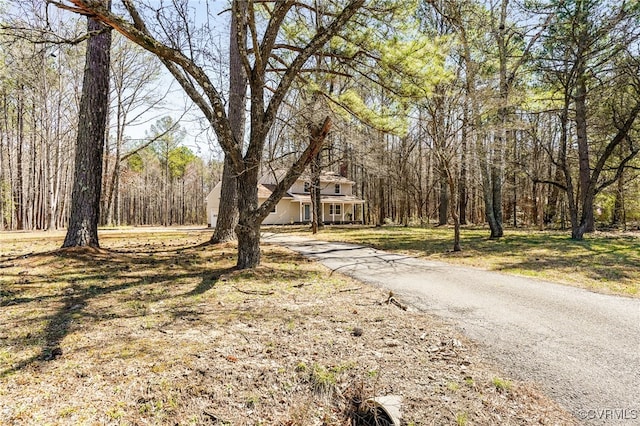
x,y
41,79
257,61
94,105
586,42
228,210
168,135
135,91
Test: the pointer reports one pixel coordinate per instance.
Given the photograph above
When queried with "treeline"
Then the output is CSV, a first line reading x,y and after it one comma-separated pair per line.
x,y
154,180
527,116
505,113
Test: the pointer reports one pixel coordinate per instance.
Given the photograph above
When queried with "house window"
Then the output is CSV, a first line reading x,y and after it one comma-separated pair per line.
x,y
337,188
307,187
335,209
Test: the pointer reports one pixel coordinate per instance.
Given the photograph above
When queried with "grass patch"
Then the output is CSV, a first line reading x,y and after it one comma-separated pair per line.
x,y
605,262
501,385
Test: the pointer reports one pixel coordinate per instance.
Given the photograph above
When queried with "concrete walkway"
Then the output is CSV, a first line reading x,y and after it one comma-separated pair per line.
x,y
583,348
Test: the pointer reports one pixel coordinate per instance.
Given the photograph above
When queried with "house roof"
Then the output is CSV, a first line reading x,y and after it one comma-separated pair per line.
x,y
265,190
329,199
325,177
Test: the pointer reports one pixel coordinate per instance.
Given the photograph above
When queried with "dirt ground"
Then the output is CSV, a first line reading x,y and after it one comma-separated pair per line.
x,y
154,329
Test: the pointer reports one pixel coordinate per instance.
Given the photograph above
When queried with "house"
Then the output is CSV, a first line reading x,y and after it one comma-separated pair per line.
x,y
339,205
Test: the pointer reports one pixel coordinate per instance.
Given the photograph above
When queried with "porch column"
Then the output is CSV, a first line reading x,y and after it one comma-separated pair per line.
x,y
342,211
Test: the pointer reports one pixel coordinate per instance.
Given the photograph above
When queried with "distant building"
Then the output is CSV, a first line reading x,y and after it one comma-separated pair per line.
x,y
339,205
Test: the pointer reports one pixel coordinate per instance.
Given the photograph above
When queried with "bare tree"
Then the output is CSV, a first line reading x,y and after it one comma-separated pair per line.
x,y
588,42
182,61
135,92
228,211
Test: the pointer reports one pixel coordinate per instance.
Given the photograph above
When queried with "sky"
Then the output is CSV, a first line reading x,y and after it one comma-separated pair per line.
x,y
199,140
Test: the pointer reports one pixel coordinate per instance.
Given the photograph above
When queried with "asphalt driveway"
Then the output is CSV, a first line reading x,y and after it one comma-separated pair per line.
x,y
583,348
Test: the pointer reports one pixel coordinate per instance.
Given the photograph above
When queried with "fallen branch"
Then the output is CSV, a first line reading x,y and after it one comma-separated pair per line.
x,y
300,285
255,292
393,300
349,289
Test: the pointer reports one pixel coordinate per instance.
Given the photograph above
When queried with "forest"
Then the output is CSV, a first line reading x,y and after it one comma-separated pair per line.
x,y
500,112
495,145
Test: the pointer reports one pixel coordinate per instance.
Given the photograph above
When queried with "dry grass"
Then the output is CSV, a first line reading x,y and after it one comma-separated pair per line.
x,y
607,262
156,330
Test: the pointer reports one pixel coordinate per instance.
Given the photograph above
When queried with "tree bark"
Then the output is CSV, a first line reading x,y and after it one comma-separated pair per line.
x,y
228,215
454,214
18,197
443,206
462,186
94,103
618,214
316,203
496,195
586,191
228,209
551,210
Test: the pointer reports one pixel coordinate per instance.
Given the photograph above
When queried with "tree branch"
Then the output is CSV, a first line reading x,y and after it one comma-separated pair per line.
x,y
316,140
550,182
320,38
136,32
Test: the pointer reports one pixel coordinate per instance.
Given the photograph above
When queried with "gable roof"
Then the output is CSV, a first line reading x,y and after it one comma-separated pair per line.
x,y
265,190
325,177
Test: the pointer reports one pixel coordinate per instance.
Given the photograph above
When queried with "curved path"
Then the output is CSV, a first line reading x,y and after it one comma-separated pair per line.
x,y
583,348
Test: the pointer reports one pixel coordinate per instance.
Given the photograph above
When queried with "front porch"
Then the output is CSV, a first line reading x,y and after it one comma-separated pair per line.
x,y
335,210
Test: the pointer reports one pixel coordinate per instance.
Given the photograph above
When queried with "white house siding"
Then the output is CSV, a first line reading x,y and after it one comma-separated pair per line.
x,y
346,189
326,187
297,187
291,208
213,204
286,212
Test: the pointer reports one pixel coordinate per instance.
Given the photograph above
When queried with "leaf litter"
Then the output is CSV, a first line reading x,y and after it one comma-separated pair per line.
x,y
154,329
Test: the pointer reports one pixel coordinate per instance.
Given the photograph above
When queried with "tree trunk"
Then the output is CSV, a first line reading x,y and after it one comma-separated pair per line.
x,y
381,211
586,189
94,103
462,186
551,210
18,197
618,216
3,133
316,202
113,181
248,228
488,173
454,214
228,211
496,195
252,215
249,254
576,233
443,206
